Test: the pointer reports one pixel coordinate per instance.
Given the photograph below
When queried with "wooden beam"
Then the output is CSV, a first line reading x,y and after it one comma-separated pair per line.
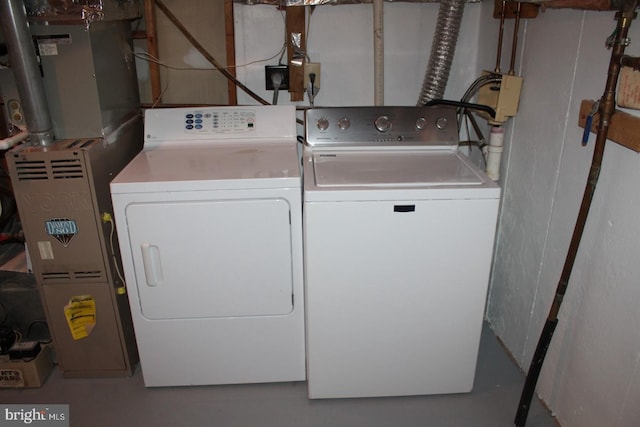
x,y
295,25
623,129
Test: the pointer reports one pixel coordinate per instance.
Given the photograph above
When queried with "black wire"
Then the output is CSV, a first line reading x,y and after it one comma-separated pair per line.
x,y
467,105
36,322
5,314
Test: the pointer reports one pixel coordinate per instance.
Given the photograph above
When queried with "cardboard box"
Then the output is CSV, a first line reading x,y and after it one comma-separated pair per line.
x,y
26,374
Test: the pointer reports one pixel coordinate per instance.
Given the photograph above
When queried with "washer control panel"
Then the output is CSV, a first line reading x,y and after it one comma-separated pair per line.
x,y
381,126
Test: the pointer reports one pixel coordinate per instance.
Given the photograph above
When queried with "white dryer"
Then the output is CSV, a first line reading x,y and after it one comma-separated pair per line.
x,y
398,236
210,227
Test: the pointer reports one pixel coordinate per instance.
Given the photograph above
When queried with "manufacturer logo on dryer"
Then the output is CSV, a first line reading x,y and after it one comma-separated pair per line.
x,y
62,229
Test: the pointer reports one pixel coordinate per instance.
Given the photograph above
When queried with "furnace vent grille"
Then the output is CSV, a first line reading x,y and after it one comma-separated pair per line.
x,y
31,170
67,276
49,169
67,169
56,277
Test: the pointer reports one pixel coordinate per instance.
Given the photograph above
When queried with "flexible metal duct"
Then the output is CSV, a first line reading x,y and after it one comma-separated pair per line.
x,y
442,50
13,20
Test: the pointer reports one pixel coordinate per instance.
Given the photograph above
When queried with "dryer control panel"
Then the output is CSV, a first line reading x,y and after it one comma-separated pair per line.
x,y
175,127
199,121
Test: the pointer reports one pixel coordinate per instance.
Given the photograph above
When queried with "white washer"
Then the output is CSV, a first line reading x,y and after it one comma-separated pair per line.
x,y
398,236
210,227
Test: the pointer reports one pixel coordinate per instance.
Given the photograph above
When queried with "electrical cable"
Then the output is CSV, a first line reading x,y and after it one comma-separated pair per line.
x,y
284,44
476,128
5,314
473,89
466,105
146,56
36,322
106,217
276,79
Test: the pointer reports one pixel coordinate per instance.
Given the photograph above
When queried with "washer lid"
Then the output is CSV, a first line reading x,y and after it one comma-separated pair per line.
x,y
393,169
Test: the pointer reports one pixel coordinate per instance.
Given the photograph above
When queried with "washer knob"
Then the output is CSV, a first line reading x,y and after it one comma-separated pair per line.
x,y
344,123
383,124
441,123
322,123
421,123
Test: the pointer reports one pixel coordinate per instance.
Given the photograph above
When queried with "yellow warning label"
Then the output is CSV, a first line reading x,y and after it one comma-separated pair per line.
x,y
80,312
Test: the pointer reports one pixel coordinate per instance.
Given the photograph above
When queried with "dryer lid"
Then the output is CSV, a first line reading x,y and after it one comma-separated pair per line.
x,y
212,168
393,169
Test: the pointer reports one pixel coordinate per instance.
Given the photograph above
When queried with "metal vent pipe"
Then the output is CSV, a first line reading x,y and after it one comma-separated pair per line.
x,y
442,50
13,21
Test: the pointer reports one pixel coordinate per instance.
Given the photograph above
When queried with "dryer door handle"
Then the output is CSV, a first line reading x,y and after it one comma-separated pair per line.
x,y
151,263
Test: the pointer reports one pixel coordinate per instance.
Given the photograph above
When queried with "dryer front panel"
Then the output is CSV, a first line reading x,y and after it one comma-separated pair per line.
x,y
212,258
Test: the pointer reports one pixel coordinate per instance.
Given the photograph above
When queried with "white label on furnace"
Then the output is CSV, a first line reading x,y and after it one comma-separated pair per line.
x,y
46,252
48,45
48,49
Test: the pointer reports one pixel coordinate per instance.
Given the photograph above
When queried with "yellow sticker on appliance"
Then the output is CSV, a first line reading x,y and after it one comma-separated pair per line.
x,y
80,312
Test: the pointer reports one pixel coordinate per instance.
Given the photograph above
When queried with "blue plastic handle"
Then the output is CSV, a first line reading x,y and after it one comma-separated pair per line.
x,y
587,129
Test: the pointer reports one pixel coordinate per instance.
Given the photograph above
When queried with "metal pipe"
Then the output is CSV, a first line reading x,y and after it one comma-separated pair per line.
x,y
442,50
514,45
606,110
500,35
13,20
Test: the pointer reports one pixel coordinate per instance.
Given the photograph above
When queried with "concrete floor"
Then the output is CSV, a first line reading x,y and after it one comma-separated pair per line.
x,y
124,402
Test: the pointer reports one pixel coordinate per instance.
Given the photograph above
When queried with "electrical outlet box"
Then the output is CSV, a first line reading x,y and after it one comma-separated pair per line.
x,y
311,68
270,71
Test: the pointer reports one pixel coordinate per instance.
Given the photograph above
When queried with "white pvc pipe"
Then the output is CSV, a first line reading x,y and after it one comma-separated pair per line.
x,y
378,52
494,152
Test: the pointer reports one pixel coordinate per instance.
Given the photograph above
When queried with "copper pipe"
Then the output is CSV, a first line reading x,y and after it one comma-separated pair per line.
x,y
606,110
205,53
500,36
514,44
